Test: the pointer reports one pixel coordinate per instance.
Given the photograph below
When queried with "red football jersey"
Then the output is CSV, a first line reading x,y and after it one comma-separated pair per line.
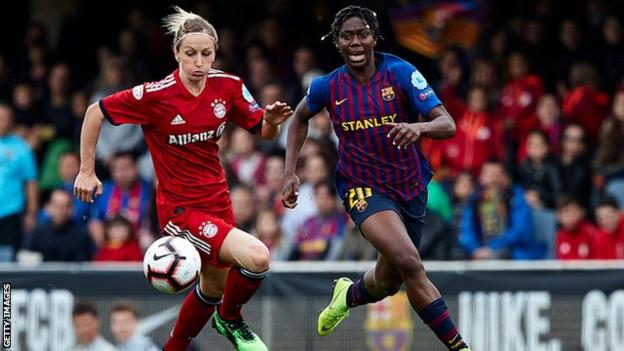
x,y
181,131
576,244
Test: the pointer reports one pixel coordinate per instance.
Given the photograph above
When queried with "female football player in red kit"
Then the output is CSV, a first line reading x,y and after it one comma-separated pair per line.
x,y
182,117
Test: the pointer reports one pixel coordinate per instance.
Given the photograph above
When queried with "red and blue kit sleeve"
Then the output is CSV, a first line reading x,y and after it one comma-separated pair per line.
x,y
317,94
246,113
126,106
415,88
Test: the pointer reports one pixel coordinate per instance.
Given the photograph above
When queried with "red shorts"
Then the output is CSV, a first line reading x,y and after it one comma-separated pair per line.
x,y
206,230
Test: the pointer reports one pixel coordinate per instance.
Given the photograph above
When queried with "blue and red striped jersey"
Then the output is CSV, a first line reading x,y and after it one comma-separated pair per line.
x,y
397,92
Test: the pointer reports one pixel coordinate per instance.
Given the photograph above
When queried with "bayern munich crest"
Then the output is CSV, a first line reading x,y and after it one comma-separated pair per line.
x,y
208,229
218,108
137,92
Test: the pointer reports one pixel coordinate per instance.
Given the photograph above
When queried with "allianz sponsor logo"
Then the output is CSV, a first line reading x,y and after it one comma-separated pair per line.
x,y
188,138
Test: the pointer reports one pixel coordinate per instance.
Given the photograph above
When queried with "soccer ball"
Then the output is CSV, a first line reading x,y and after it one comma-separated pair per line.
x,y
171,264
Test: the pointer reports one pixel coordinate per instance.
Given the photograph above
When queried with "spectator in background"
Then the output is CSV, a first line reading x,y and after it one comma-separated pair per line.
x,y
60,239
612,51
574,164
462,191
58,116
315,169
271,36
320,237
229,56
260,73
79,104
268,195
484,74
575,239
519,99
114,139
243,206
569,50
247,162
451,85
68,168
26,114
355,247
609,158
57,108
126,194
609,243
584,103
538,174
497,223
124,322
305,69
273,91
19,194
120,242
87,329
549,117
35,69
534,44
479,136
267,229
497,47
320,127
439,201
132,55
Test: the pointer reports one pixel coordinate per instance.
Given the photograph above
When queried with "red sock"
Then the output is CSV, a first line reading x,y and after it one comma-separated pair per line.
x,y
240,286
194,314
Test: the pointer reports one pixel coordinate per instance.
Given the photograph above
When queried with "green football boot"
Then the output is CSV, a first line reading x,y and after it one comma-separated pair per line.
x,y
239,333
337,310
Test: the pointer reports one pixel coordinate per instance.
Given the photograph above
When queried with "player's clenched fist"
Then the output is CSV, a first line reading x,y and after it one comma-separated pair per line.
x,y
290,193
84,186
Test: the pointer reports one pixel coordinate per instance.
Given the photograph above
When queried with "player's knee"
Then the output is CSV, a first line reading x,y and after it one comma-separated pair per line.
x,y
410,265
259,258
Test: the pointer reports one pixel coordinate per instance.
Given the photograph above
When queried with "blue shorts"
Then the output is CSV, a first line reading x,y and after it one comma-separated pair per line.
x,y
362,202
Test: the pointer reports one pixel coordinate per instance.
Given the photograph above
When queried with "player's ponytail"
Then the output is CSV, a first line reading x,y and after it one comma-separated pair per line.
x,y
183,23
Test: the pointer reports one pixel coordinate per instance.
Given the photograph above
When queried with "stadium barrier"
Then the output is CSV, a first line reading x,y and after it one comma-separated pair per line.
x,y
502,306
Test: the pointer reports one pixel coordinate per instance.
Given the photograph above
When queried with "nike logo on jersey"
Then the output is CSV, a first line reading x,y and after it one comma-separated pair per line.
x,y
339,102
177,120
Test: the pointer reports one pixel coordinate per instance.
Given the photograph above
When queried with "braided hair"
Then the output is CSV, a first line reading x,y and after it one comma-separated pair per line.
x,y
368,16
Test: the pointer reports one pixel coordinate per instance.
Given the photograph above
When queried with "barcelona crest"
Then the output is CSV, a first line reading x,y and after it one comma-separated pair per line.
x,y
387,93
357,198
389,324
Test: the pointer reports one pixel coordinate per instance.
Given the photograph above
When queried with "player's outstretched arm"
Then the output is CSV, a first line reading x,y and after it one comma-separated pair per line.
x,y
439,126
297,134
86,181
274,115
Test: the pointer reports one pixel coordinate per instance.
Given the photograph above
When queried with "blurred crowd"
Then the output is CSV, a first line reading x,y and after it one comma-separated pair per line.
x,y
124,329
535,171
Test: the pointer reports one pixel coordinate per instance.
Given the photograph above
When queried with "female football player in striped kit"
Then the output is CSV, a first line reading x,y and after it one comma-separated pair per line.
x,y
374,101
182,117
